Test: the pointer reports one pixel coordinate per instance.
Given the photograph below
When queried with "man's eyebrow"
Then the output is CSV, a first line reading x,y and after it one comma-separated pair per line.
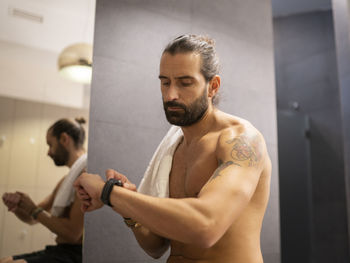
x,y
184,77
180,77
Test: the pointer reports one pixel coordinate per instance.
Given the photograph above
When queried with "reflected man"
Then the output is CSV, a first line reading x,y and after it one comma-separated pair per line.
x,y
60,211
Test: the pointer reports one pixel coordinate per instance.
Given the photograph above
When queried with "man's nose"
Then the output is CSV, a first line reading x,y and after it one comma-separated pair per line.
x,y
171,93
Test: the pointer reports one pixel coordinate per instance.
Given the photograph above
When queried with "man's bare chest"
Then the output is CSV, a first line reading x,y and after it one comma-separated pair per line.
x,y
191,169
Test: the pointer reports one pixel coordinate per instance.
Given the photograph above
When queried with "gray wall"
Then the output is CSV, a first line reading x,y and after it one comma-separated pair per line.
x,y
306,72
126,116
341,10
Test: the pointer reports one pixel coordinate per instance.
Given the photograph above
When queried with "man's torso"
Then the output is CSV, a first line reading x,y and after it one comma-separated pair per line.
x,y
193,165
59,239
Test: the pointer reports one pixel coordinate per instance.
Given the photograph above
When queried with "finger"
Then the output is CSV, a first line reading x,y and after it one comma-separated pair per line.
x,y
83,195
19,193
110,174
115,175
86,202
16,199
84,208
76,183
11,199
130,186
86,197
13,209
82,191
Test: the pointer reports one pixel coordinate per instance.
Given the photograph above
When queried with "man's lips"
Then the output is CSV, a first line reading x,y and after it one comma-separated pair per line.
x,y
172,108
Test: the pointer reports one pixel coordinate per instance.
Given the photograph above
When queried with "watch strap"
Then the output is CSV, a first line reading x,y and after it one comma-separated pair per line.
x,y
36,212
107,189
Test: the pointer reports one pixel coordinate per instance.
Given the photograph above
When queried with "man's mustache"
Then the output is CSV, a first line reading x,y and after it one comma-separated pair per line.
x,y
174,104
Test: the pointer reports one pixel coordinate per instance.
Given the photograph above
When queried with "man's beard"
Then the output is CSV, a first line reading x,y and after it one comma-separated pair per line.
x,y
61,156
190,114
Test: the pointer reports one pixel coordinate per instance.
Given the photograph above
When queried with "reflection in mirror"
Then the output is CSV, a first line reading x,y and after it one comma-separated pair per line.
x,y
33,95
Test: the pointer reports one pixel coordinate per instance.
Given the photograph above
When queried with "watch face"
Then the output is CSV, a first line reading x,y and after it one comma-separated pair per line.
x,y
118,182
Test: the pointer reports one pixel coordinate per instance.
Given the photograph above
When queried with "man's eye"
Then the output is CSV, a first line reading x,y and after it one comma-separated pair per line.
x,y
185,84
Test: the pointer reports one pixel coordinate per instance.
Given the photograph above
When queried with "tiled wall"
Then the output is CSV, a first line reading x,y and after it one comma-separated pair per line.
x,y
127,119
25,166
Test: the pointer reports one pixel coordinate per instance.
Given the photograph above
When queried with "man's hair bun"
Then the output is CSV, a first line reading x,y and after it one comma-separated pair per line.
x,y
80,120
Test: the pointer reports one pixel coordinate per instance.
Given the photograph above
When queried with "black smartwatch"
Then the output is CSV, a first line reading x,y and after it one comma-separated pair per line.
x,y
107,189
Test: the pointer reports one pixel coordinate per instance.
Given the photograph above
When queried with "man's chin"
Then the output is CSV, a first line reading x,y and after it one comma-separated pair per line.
x,y
174,120
58,163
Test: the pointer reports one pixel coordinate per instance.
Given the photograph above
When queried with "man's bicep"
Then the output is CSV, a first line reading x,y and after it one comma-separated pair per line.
x,y
229,181
76,216
226,195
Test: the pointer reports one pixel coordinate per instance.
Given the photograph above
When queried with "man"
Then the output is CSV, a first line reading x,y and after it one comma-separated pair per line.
x,y
219,176
60,211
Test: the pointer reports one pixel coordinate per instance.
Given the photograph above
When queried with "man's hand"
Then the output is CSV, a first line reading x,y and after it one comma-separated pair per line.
x,y
26,204
11,200
89,188
110,173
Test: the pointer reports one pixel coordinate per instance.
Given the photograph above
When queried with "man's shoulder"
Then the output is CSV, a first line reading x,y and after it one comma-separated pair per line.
x,y
240,137
233,126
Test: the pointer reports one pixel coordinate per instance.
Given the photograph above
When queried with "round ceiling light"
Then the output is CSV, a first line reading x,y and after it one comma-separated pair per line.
x,y
75,63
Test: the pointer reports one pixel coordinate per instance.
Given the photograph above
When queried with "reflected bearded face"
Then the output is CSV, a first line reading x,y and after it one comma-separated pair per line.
x,y
186,115
56,151
60,156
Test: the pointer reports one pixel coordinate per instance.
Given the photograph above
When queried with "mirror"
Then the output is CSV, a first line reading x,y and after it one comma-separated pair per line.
x,y
32,97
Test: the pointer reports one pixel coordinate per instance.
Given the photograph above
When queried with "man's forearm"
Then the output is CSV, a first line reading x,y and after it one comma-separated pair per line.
x,y
24,217
170,218
60,226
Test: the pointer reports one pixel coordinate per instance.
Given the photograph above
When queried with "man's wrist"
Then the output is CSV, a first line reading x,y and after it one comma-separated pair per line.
x,y
107,189
34,214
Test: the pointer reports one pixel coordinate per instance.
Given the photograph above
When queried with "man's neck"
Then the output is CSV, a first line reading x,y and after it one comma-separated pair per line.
x,y
200,128
73,156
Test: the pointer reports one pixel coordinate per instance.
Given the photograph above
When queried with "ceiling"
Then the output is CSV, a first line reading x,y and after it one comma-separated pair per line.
x,y
290,7
49,25
55,24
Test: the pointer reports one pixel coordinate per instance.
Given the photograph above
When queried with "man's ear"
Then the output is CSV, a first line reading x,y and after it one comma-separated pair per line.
x,y
64,139
214,86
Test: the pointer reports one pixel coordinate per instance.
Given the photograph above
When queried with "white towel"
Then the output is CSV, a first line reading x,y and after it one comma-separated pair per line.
x,y
155,181
65,194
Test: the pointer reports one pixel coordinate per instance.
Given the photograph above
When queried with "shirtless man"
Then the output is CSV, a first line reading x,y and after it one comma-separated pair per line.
x,y
220,175
65,139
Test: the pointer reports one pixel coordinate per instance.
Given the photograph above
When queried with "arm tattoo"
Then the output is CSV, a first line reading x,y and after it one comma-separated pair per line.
x,y
221,167
243,151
